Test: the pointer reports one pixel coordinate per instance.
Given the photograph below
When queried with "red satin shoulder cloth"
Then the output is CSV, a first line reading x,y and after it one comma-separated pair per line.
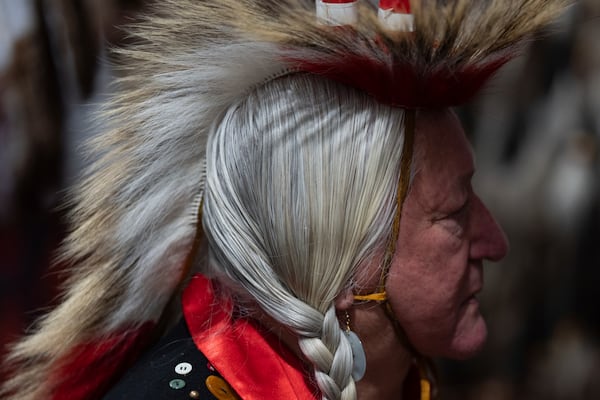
x,y
253,361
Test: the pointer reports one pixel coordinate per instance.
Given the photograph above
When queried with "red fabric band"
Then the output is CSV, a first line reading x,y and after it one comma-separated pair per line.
x,y
254,362
401,85
398,6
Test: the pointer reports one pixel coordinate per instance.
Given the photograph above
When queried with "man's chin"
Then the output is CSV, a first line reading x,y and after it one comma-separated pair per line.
x,y
470,341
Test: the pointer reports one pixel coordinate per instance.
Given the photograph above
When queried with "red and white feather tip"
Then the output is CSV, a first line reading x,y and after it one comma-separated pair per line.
x,y
395,15
337,12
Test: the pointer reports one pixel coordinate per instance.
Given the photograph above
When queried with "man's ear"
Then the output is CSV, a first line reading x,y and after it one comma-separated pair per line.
x,y
344,300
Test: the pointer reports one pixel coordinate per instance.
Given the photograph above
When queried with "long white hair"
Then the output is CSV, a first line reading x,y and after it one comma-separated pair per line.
x,y
301,179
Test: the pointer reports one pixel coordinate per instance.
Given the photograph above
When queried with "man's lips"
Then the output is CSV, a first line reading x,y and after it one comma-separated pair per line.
x,y
472,298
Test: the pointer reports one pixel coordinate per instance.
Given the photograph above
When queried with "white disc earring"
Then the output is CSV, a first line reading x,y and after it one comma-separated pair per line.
x,y
359,364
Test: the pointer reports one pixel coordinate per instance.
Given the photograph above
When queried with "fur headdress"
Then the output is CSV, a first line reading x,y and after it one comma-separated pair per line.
x,y
135,214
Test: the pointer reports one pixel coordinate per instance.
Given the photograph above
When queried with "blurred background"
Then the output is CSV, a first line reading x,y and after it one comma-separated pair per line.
x,y
536,135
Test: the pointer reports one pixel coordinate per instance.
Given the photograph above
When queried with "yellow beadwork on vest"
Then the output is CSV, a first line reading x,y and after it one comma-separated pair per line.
x,y
220,389
425,389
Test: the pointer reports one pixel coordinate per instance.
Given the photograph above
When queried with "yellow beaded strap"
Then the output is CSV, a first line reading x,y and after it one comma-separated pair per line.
x,y
379,296
425,384
407,153
425,389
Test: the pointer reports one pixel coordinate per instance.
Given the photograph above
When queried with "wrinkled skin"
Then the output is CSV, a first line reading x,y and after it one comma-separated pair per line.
x,y
446,233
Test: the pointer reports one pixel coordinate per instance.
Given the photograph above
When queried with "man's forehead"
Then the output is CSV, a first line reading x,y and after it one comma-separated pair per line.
x,y
441,139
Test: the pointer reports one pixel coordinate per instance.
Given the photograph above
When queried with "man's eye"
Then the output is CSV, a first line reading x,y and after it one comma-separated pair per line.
x,y
456,215
456,222
460,211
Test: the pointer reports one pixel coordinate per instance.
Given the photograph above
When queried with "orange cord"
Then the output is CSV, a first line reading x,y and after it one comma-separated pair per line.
x,y
407,154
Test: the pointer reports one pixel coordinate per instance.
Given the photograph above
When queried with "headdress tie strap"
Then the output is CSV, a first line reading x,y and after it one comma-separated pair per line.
x,y
403,184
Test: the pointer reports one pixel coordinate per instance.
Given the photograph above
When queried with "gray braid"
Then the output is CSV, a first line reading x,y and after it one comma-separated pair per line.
x,y
331,356
301,177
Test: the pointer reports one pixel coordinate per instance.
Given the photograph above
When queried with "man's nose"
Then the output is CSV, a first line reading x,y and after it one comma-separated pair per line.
x,y
488,240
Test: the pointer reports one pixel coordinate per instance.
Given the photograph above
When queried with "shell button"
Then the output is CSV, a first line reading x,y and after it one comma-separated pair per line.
x,y
183,368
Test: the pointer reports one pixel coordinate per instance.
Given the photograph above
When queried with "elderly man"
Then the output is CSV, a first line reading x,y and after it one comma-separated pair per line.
x,y
301,181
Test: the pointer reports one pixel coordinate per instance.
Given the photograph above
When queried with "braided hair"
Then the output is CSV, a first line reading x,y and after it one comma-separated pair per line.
x,y
301,176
